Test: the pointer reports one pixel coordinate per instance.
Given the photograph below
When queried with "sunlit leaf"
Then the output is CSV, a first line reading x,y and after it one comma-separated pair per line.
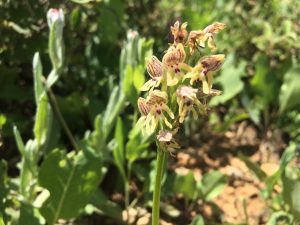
x,y
290,90
71,180
185,185
198,220
211,184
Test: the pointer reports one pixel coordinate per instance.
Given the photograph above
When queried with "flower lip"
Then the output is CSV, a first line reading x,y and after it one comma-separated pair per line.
x,y
174,55
186,92
212,63
157,97
154,67
143,106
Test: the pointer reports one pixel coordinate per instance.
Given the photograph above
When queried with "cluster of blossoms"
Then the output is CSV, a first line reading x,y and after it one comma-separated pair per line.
x,y
177,89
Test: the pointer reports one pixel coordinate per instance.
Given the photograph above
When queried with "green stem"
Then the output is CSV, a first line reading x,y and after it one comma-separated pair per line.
x,y
161,156
60,118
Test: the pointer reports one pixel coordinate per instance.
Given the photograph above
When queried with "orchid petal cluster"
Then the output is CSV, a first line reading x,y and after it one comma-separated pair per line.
x,y
177,88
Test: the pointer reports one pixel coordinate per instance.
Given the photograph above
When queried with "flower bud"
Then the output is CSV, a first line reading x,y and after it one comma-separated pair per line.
x,y
55,15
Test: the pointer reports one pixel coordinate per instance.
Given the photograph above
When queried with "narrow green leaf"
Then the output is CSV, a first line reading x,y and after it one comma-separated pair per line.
x,y
19,142
43,120
109,208
71,180
286,157
118,153
37,75
261,175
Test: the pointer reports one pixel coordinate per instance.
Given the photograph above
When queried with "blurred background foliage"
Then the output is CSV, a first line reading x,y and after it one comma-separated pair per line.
x,y
259,80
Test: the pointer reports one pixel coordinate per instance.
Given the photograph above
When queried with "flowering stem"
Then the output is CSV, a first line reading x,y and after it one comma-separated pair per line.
x,y
161,156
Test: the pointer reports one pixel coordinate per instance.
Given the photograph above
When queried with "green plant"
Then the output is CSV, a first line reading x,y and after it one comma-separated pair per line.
x,y
283,205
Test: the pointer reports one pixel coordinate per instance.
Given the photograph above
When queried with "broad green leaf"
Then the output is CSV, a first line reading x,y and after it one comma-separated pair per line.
x,y
264,82
110,18
118,153
30,215
198,220
185,185
261,175
43,120
230,80
290,90
37,75
128,85
71,180
211,184
138,78
107,207
279,216
137,145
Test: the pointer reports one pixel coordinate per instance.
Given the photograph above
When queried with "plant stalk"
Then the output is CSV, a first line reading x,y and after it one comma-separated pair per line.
x,y
161,156
62,121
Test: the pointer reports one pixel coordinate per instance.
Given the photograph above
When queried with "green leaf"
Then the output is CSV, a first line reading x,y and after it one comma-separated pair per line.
x,y
286,157
43,120
107,207
185,185
37,75
128,85
264,82
118,153
230,80
137,145
211,184
71,180
290,90
198,220
261,175
138,78
30,215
